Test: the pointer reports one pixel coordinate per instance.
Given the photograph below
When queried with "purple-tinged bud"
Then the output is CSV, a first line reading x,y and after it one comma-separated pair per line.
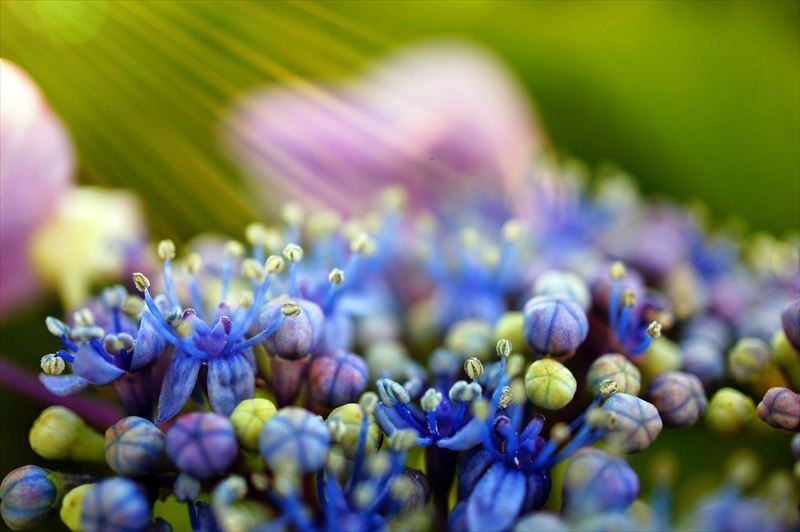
x,y
202,445
617,368
134,446
596,481
566,284
633,423
287,376
28,496
790,317
780,408
294,437
337,378
555,326
297,335
115,504
679,398
704,359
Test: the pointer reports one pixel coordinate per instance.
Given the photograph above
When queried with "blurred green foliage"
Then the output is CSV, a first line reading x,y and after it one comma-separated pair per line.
x,y
696,99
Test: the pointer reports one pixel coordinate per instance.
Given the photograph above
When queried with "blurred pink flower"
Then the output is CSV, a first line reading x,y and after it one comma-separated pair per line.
x,y
433,118
36,167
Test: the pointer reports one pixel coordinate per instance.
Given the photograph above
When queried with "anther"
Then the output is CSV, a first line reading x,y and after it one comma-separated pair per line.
x,y
291,309
293,253
133,306
336,276
403,440
141,281
363,244
256,234
503,348
560,432
473,368
233,248
166,249
628,298
83,318
274,264
292,213
512,230
515,365
480,409
506,397
56,327
52,364
252,269
246,299
368,402
617,270
194,263
654,329
431,400
608,388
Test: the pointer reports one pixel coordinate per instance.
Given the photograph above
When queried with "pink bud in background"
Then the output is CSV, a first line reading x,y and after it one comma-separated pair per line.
x,y
36,167
442,119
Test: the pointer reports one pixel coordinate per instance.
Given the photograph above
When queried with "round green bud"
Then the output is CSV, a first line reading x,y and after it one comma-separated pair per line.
x,y
617,368
71,506
786,357
348,418
59,434
471,337
747,359
511,326
662,355
249,417
730,411
549,384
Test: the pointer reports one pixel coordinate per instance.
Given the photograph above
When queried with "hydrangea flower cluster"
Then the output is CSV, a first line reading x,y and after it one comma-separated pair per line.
x,y
438,370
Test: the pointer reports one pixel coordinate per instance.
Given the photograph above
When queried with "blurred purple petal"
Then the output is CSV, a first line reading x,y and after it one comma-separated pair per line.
x,y
36,168
431,118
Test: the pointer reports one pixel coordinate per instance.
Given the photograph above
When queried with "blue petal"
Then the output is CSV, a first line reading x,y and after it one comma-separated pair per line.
x,y
231,380
149,345
496,500
389,420
63,384
178,384
466,438
94,368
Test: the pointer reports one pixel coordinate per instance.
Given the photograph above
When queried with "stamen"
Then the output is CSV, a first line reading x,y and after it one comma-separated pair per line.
x,y
52,364
83,318
166,251
473,368
56,327
504,348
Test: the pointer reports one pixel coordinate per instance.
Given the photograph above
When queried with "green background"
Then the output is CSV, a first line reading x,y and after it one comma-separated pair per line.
x,y
695,99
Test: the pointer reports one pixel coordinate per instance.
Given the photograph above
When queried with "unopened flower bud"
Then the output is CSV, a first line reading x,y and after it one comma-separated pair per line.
x,y
249,418
59,434
166,249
